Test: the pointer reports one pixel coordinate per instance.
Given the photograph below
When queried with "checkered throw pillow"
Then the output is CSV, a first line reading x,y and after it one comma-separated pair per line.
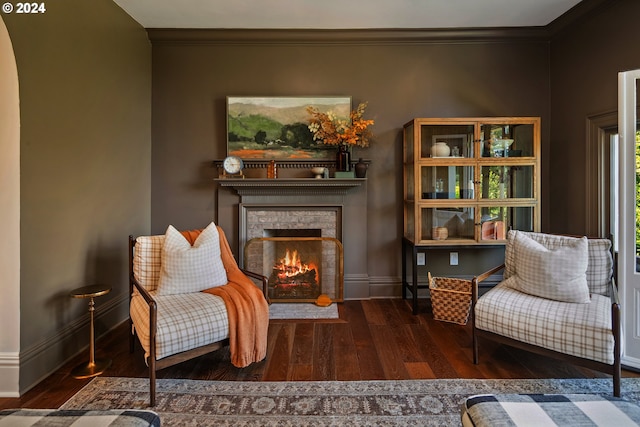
x,y
187,268
600,264
558,274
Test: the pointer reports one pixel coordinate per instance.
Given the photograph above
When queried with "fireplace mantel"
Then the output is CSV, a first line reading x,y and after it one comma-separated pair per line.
x,y
345,197
290,186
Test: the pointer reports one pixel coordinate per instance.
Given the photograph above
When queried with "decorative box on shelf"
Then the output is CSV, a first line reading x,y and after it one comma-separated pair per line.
x,y
342,175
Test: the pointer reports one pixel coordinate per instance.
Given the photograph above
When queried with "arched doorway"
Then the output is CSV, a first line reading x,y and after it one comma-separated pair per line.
x,y
9,218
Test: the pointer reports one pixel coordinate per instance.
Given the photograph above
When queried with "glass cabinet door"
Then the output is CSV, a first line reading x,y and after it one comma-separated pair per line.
x,y
507,140
496,220
448,223
446,140
507,182
447,182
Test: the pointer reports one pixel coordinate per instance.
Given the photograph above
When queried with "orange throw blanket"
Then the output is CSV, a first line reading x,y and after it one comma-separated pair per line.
x,y
246,306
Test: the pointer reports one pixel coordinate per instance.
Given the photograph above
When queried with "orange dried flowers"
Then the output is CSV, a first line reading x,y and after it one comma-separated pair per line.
x,y
331,130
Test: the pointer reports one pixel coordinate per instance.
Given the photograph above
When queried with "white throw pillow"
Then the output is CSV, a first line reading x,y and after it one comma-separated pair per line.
x,y
186,268
558,274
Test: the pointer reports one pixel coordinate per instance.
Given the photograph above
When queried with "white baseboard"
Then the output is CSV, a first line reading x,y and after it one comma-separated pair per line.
x,y
9,374
630,362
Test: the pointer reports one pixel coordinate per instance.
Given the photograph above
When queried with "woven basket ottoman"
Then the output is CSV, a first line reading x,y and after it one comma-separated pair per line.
x,y
68,417
522,410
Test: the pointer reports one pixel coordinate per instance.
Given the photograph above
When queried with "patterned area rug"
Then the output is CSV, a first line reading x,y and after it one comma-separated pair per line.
x,y
299,310
326,403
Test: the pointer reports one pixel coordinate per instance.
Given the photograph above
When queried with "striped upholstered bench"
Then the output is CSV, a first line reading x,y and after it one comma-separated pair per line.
x,y
520,410
63,417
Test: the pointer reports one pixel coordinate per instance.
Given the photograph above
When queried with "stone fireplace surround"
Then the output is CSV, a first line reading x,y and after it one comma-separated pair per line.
x,y
258,220
246,207
299,268
287,222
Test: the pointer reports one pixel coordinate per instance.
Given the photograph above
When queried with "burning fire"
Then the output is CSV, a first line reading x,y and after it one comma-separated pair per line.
x,y
294,278
291,265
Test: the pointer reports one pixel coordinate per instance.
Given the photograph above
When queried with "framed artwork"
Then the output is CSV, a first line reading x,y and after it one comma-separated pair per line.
x,y
265,128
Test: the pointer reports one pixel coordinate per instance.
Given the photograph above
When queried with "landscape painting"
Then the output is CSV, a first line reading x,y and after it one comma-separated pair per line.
x,y
277,127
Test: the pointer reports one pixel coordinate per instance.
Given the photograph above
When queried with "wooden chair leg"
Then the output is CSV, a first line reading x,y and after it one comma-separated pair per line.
x,y
475,347
474,300
132,336
617,342
152,370
153,318
152,382
617,374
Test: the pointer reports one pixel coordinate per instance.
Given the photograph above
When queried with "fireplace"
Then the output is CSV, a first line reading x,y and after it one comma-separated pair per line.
x,y
294,276
299,269
297,209
295,273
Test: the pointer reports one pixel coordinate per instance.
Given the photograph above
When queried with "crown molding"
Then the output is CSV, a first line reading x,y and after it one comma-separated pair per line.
x,y
376,36
576,14
343,37
380,36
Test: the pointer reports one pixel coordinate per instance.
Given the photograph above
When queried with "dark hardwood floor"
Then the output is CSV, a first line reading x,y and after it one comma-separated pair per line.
x,y
373,340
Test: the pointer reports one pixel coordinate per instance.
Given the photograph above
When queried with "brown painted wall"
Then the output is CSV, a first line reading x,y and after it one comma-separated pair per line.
x,y
84,72
585,61
401,78
89,175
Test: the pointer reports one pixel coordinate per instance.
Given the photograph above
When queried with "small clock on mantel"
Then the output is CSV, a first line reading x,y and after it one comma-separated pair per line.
x,y
232,167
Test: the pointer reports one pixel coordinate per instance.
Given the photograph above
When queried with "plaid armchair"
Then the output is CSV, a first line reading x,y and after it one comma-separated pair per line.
x,y
174,328
585,331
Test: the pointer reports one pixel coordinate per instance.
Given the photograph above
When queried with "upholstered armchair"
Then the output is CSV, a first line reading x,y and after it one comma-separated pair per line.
x,y
558,298
188,297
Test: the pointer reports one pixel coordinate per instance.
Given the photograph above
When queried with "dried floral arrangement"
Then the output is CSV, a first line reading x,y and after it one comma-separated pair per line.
x,y
328,129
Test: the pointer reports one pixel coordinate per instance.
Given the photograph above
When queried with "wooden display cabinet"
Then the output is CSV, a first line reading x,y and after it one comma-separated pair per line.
x,y
467,181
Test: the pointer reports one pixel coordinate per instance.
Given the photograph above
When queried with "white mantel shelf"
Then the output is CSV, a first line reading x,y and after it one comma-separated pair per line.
x,y
290,186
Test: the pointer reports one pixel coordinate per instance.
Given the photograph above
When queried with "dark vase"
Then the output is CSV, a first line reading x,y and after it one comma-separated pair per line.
x,y
343,159
360,168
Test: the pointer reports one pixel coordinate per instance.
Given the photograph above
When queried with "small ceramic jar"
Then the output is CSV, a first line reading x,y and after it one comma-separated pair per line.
x,y
440,149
